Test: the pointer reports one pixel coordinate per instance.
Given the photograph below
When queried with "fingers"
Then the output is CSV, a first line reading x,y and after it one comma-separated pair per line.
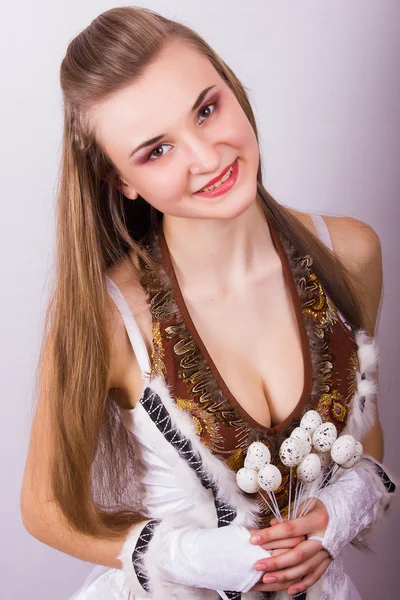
x,y
298,571
278,552
290,529
295,556
295,579
290,543
311,578
316,522
274,587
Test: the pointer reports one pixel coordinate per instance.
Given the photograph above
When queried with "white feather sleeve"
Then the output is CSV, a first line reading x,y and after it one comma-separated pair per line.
x,y
178,559
355,501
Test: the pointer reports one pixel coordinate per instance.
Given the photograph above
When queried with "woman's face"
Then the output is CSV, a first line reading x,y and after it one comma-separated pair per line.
x,y
192,146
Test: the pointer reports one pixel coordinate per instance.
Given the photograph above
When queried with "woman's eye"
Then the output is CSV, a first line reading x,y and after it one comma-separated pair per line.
x,y
153,154
207,108
206,111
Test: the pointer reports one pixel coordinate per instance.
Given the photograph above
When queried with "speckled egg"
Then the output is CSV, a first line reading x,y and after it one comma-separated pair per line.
x,y
257,456
290,452
304,437
324,437
355,458
269,478
310,421
343,449
247,480
325,458
309,469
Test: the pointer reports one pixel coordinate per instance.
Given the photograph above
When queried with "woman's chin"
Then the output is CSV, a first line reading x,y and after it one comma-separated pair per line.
x,y
230,207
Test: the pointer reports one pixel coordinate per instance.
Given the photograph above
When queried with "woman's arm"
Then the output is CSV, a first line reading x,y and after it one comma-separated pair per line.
x,y
45,523
39,512
169,554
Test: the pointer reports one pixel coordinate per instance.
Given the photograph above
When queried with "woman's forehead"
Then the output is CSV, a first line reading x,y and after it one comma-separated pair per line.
x,y
159,98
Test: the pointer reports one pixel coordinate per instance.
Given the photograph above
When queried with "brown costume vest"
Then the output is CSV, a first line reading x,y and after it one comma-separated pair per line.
x,y
223,426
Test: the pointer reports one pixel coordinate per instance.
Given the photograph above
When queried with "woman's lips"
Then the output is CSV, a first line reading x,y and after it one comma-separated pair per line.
x,y
224,187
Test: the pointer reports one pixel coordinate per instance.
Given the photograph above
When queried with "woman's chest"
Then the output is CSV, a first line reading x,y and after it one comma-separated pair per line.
x,y
247,366
254,340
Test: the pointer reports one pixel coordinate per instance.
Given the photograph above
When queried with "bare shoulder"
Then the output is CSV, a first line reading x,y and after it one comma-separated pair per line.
x,y
358,246
124,373
355,242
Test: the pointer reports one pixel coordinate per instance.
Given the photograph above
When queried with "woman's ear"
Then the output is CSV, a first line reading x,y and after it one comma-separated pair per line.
x,y
120,185
126,189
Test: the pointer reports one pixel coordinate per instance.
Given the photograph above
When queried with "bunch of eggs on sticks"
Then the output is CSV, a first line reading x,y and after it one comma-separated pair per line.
x,y
310,448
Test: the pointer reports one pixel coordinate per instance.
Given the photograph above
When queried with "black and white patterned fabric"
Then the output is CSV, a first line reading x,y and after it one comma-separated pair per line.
x,y
140,549
387,482
156,410
160,416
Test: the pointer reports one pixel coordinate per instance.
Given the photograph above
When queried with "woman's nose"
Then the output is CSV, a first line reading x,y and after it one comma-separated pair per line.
x,y
203,156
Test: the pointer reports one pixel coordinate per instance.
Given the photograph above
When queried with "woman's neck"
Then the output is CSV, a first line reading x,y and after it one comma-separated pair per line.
x,y
225,254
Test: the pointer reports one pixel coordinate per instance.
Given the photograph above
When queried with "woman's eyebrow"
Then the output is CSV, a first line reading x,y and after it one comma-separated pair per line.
x,y
157,138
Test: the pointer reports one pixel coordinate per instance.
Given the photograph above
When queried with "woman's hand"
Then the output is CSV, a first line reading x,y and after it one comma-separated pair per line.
x,y
304,563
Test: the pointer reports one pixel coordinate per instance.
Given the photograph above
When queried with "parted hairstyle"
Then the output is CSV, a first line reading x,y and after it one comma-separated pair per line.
x,y
92,464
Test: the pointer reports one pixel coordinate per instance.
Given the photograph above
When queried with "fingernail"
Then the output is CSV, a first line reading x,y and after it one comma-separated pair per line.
x,y
260,567
255,539
269,579
295,592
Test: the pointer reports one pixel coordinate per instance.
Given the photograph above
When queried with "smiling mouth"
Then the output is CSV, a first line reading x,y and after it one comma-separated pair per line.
x,y
218,183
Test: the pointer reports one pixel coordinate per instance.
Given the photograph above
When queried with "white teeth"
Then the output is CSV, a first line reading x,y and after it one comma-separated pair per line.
x,y
224,178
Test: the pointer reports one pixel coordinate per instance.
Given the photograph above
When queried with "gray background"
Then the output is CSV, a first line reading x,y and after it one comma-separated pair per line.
x,y
324,81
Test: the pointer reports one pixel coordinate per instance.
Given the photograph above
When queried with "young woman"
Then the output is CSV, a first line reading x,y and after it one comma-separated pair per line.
x,y
192,315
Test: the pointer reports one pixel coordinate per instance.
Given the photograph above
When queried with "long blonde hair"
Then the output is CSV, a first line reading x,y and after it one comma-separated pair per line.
x,y
93,458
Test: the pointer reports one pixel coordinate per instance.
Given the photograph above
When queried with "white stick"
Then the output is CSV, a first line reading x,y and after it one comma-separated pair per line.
x,y
305,501
295,499
273,499
299,492
307,504
268,504
290,492
321,484
311,502
310,505
277,512
303,491
300,497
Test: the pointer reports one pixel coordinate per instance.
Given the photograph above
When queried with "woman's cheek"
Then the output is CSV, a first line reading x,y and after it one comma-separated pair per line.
x,y
242,137
166,192
248,138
